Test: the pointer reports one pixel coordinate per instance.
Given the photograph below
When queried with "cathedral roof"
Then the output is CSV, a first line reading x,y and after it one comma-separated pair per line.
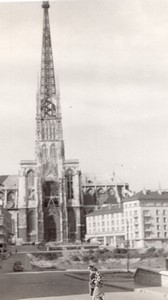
x,y
101,179
9,181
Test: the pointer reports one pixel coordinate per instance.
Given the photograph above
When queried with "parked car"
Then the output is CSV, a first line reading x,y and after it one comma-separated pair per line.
x,y
17,266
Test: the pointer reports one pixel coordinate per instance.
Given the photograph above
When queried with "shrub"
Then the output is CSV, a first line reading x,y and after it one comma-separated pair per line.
x,y
86,258
75,257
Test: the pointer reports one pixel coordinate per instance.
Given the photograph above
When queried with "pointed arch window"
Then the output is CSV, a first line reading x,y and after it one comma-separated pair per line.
x,y
44,153
1,199
47,131
10,200
53,152
30,185
50,131
69,184
42,132
30,179
54,137
30,221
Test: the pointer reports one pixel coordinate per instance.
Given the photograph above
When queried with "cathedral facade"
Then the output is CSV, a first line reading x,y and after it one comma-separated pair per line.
x,y
50,197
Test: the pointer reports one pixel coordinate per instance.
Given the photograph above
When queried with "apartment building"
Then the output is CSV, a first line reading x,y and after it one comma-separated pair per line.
x,y
147,215
106,226
5,228
142,219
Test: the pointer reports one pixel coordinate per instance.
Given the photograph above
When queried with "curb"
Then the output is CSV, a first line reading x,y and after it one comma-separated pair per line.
x,y
105,283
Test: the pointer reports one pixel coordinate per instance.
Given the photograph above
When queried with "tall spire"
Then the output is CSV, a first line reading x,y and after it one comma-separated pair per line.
x,y
47,80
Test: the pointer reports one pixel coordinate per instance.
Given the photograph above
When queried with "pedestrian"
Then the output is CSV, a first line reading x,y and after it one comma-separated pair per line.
x,y
98,292
92,274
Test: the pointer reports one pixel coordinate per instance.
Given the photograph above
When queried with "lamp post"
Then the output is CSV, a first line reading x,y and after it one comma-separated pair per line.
x,y
127,224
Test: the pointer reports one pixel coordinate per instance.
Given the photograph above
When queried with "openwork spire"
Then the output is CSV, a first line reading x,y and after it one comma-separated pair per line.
x,y
47,80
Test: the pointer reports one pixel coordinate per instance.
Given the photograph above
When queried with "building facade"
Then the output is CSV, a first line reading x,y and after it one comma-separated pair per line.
x,y
142,219
50,198
5,228
106,226
147,214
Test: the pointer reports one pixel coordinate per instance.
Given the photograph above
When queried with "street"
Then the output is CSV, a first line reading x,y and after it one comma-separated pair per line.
x,y
29,285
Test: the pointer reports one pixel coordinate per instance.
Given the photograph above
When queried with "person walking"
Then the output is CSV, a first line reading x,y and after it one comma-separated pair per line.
x,y
92,273
98,292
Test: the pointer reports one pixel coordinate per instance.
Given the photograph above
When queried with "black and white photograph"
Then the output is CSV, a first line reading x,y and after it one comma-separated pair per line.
x,y
84,150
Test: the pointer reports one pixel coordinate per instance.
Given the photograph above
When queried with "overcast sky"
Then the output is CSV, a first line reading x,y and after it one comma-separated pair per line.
x,y
112,60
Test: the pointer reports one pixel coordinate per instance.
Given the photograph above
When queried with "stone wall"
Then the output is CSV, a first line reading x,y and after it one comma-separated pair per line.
x,y
150,277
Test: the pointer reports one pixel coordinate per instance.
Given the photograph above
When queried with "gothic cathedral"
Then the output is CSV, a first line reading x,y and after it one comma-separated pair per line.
x,y
50,197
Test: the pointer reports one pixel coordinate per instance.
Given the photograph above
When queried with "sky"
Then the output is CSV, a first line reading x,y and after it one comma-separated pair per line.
x,y
111,57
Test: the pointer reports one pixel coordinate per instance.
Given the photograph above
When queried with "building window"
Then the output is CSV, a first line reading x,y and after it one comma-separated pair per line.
x,y
165,227
158,234
164,212
146,213
165,234
157,220
44,153
30,221
158,227
53,152
164,220
10,200
30,179
69,184
147,235
157,212
135,213
1,198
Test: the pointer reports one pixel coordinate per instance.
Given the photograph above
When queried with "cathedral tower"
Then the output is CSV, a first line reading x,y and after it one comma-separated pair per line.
x,y
52,218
